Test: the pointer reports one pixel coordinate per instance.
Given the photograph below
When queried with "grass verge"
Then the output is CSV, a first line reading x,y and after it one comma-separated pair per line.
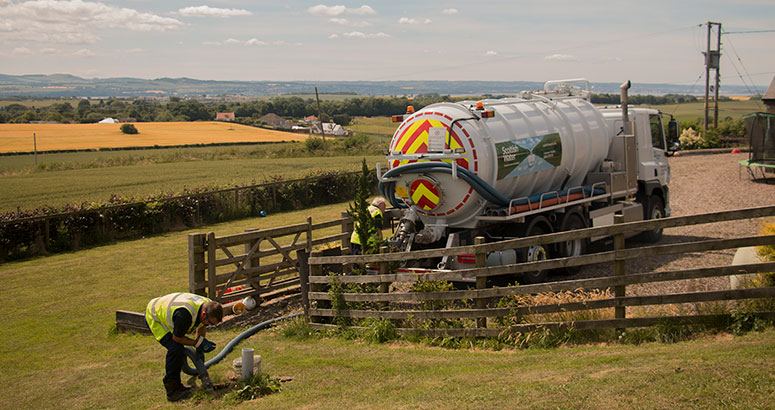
x,y
59,351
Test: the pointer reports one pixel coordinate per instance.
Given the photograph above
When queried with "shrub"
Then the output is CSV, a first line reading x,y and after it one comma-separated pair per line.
x,y
129,129
314,143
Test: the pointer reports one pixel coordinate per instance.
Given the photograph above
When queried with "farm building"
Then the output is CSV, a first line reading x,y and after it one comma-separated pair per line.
x,y
224,116
330,129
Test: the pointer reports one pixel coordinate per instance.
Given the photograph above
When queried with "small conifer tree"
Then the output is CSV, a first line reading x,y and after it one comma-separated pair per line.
x,y
359,212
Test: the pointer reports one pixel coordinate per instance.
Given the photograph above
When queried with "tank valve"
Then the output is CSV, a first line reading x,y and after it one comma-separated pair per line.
x,y
429,234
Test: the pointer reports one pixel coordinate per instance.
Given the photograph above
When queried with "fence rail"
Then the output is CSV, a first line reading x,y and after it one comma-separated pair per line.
x,y
238,264
404,305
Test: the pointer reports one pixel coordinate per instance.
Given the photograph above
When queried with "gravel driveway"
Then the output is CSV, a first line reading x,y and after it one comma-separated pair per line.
x,y
700,184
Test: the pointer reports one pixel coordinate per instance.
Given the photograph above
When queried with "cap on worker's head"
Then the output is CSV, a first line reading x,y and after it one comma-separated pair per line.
x,y
380,203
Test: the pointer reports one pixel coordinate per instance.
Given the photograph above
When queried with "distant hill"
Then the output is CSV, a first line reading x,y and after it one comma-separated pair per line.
x,y
65,85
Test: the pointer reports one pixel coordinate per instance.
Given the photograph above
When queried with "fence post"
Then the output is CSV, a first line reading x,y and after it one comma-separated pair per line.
x,y
619,270
196,260
481,281
384,287
303,257
211,279
316,270
252,262
347,227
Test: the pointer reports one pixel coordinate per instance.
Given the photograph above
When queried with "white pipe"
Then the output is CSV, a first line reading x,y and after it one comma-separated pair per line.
x,y
247,364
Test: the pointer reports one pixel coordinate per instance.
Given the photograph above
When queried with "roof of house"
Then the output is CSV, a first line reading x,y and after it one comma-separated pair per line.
x,y
769,95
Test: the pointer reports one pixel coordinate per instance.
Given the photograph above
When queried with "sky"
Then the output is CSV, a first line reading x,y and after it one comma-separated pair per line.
x,y
378,40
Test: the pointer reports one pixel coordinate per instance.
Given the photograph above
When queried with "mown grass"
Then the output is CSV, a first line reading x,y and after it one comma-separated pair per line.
x,y
75,186
59,351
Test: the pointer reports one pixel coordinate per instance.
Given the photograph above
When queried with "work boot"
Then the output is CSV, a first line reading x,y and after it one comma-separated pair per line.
x,y
175,390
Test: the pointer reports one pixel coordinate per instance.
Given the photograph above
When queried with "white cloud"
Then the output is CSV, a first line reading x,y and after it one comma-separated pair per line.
x,y
490,53
22,51
449,12
134,51
561,57
358,34
48,50
73,21
207,11
345,22
248,43
84,52
333,11
407,20
254,42
334,36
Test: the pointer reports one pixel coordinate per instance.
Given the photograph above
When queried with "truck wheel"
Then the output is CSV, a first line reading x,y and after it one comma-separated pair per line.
x,y
577,247
655,210
572,221
539,225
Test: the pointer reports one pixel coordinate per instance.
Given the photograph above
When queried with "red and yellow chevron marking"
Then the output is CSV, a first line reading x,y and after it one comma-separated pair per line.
x,y
424,194
414,140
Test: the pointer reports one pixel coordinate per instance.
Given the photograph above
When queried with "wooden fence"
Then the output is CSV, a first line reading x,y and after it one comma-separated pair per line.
x,y
405,306
257,262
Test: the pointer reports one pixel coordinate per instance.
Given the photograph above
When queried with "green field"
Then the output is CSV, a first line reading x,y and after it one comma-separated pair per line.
x,y
689,112
59,351
374,126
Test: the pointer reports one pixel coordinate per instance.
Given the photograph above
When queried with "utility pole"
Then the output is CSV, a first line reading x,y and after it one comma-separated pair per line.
x,y
712,62
320,118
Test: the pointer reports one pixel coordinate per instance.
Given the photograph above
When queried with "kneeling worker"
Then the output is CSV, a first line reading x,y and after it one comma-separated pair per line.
x,y
376,210
170,318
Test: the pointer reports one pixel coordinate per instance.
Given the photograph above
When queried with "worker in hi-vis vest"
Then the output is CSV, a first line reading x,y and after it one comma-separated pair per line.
x,y
376,210
170,318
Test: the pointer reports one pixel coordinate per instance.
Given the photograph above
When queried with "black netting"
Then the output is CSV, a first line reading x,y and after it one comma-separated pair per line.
x,y
760,132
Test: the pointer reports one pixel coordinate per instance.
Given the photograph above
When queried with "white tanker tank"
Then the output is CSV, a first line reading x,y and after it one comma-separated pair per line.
x,y
504,149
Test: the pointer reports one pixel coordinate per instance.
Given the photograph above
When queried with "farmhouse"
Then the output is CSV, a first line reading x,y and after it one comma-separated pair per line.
x,y
275,121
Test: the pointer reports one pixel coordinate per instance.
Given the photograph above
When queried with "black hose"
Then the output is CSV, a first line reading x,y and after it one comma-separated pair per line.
x,y
201,368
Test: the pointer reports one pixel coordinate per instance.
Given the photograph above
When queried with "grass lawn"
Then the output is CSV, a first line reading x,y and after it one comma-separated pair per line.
x,y
19,137
58,351
74,186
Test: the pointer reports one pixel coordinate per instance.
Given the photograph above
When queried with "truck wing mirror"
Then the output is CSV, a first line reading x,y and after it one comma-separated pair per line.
x,y
672,136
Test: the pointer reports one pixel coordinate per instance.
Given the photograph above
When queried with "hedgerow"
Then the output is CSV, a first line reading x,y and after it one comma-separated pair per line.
x,y
46,230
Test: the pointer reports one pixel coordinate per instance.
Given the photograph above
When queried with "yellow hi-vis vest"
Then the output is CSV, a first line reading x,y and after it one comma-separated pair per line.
x,y
374,211
159,312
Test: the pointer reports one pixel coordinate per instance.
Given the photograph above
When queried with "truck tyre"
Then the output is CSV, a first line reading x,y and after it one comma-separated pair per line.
x,y
655,210
539,225
572,220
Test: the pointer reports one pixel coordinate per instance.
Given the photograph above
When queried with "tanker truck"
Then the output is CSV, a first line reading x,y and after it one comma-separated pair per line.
x,y
545,161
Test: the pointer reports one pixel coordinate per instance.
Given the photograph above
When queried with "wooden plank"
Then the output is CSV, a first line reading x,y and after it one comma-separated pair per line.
x,y
692,297
579,325
558,237
211,273
241,238
134,322
196,263
619,268
258,254
329,224
555,286
610,256
329,239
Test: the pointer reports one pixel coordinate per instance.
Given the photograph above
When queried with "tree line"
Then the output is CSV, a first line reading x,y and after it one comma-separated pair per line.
x,y
248,112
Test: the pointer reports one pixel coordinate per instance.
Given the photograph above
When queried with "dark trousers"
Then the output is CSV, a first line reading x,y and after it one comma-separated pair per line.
x,y
175,357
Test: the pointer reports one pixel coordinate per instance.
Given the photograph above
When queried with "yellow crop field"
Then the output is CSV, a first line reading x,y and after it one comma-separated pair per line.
x,y
19,137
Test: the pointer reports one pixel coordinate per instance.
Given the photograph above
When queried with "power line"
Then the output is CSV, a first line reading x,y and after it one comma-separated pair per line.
x,y
729,41
748,32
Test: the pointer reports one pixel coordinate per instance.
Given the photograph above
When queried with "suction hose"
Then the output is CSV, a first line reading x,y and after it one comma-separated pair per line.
x,y
201,367
387,189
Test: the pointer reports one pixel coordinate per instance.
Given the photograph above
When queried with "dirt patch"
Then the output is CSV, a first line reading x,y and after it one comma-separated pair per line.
x,y
699,184
265,311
